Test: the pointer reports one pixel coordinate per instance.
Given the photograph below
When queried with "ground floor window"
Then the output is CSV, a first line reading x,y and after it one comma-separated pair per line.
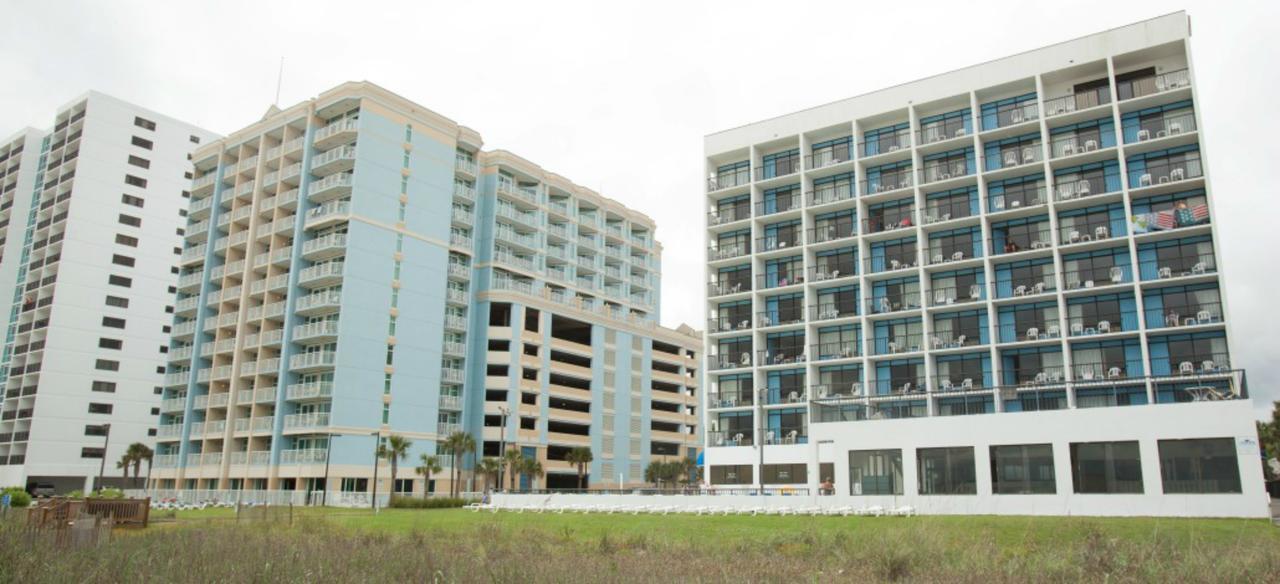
x,y
404,486
875,472
1022,469
736,474
1207,465
785,474
946,471
353,485
1106,467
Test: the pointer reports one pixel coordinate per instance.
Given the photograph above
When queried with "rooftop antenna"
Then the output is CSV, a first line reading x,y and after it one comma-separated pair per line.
x,y
279,80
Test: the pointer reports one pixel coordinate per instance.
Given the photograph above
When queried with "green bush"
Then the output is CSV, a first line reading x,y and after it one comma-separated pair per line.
x,y
107,493
398,502
18,496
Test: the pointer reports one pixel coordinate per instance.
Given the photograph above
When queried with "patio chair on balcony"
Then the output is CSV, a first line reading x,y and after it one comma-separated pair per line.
x,y
886,305
856,389
1178,174
967,384
940,297
1186,368
1144,180
1164,272
1041,377
1204,317
1068,149
906,387
1011,158
1038,288
1113,373
1020,291
793,397
1053,331
768,437
1028,155
960,341
893,347
1199,268
1144,135
937,258
1016,117
1117,274
1101,232
1073,236
946,385
1175,128
1090,145
1086,373
975,292
791,437
1208,366
1033,334
957,256
1104,326
746,359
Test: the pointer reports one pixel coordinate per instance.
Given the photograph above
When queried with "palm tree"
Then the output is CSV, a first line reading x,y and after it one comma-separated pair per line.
x,y
489,467
395,450
513,458
139,452
580,456
531,467
430,466
689,467
459,444
125,463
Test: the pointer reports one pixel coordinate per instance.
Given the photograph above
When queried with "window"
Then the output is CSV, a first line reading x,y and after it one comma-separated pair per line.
x,y
737,474
531,319
117,302
126,240
155,411
105,343
113,322
97,408
404,486
139,161
91,452
107,365
1022,469
132,200
528,423
130,220
122,260
129,179
95,430
785,474
142,142
354,485
1206,465
195,139
104,386
946,471
875,472
1106,467
144,123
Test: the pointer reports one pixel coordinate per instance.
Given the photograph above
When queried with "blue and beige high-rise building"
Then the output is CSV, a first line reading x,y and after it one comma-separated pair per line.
x,y
994,290
356,265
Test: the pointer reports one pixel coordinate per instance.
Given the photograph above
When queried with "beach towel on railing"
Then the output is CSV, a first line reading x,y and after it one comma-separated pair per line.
x,y
1164,220
1199,213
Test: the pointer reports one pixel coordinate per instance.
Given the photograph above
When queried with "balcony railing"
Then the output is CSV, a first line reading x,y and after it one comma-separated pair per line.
x,y
823,194
886,143
946,295
739,437
718,362
836,350
309,360
1167,171
730,399
1162,127
1185,264
1183,315
729,215
1077,101
779,204
729,250
830,156
312,420
304,456
728,180
729,287
1018,114
1153,84
786,435
1097,276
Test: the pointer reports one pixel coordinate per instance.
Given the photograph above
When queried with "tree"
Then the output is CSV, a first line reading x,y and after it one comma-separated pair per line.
x,y
580,456
530,467
512,458
1269,440
689,467
395,450
429,467
139,452
458,444
660,472
489,467
125,463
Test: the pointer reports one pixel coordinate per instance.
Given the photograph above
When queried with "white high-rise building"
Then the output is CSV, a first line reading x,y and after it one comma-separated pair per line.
x,y
995,290
92,214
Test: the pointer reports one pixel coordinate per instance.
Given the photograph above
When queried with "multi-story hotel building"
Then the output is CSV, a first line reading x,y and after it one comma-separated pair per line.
x,y
356,266
91,222
995,290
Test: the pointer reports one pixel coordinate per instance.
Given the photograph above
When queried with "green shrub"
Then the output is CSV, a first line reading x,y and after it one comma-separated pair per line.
x,y
18,496
399,502
107,493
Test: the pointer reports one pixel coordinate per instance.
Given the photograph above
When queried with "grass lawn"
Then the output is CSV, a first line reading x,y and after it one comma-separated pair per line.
x,y
343,545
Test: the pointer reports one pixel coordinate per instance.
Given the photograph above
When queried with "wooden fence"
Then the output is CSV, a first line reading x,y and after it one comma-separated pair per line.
x,y
59,512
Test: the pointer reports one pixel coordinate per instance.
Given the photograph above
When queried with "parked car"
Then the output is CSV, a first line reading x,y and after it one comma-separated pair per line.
x,y
43,490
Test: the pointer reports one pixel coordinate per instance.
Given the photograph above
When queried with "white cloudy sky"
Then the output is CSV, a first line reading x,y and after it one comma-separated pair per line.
x,y
618,97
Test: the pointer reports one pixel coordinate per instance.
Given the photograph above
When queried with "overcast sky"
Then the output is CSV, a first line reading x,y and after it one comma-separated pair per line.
x,y
618,98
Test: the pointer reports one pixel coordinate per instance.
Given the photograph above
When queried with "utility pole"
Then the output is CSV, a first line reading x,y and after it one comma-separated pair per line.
x,y
106,441
328,455
764,393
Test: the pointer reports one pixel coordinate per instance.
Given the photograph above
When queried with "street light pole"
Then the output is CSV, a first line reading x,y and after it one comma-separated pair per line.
x,y
106,441
373,503
764,393
502,441
328,455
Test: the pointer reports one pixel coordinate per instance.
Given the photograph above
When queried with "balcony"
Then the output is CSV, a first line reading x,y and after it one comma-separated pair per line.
x,y
321,275
465,166
1162,172
306,421
339,132
1078,101
738,437
336,160
328,214
453,349
1153,84
450,402
728,180
728,287
729,250
447,428
455,322
334,186
310,390
720,362
326,247
316,331
451,375
313,361
304,456
459,271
